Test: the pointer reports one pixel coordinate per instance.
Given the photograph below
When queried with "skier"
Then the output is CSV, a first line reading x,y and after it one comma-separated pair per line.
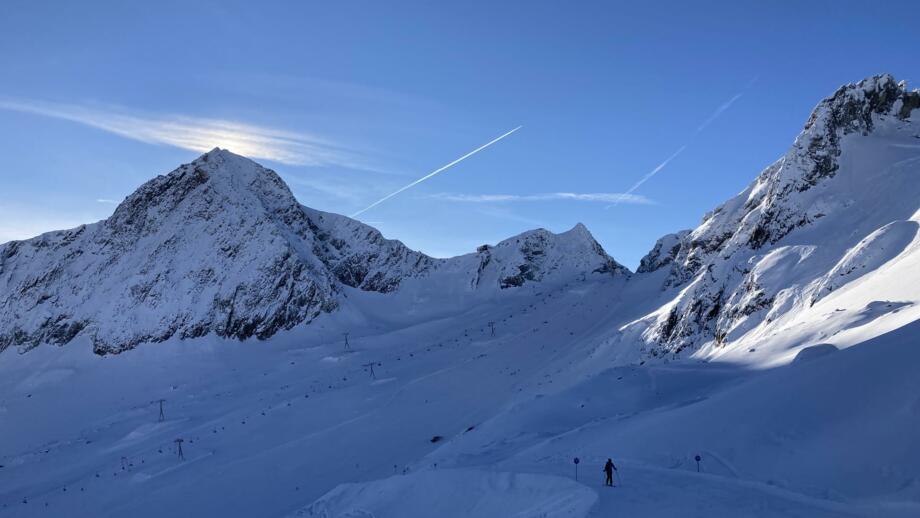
x,y
609,468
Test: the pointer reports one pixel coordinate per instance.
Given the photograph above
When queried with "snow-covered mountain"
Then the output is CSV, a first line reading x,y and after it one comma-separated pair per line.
x,y
838,206
763,364
221,246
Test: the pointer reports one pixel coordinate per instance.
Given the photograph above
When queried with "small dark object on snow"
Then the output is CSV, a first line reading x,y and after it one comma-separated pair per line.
x,y
179,448
436,438
609,468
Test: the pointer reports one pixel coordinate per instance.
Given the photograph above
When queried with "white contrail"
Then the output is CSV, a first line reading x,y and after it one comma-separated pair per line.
x,y
709,120
647,177
653,172
719,111
436,171
619,197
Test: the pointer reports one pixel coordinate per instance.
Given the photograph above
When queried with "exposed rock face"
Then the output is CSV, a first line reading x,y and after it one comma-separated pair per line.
x,y
663,253
218,245
221,246
359,256
534,255
720,267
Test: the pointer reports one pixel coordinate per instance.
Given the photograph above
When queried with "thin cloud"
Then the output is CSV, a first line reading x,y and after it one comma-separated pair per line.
x,y
353,192
199,134
607,197
106,200
503,213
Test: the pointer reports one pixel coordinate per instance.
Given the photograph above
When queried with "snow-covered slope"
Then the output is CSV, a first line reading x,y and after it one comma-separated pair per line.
x,y
221,246
840,205
458,419
459,494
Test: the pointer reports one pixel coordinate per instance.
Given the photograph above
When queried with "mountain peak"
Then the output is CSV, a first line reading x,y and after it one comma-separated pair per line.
x,y
218,180
224,156
531,255
851,108
225,163
580,229
848,175
220,245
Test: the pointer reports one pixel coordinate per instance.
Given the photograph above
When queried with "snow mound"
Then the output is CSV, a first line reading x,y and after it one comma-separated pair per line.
x,y
457,493
814,352
868,255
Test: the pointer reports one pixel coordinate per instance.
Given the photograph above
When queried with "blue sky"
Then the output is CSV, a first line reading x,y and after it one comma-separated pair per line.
x,y
350,101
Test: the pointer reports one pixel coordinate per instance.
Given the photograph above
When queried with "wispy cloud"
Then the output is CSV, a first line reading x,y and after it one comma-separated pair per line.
x,y
608,197
503,213
328,187
106,200
199,134
436,171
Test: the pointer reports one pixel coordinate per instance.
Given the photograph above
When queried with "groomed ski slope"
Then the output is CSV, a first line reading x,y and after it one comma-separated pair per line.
x,y
274,428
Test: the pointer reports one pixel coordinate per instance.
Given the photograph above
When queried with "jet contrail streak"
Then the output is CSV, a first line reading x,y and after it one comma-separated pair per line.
x,y
647,177
715,115
719,111
656,170
436,171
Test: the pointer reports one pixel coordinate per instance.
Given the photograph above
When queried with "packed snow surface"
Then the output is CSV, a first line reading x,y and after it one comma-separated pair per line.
x,y
274,428
456,494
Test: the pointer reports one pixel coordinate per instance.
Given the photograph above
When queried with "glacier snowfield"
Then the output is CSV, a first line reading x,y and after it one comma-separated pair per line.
x,y
297,426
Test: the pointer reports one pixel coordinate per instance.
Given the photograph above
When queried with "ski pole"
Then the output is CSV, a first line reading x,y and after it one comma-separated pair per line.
x,y
619,480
